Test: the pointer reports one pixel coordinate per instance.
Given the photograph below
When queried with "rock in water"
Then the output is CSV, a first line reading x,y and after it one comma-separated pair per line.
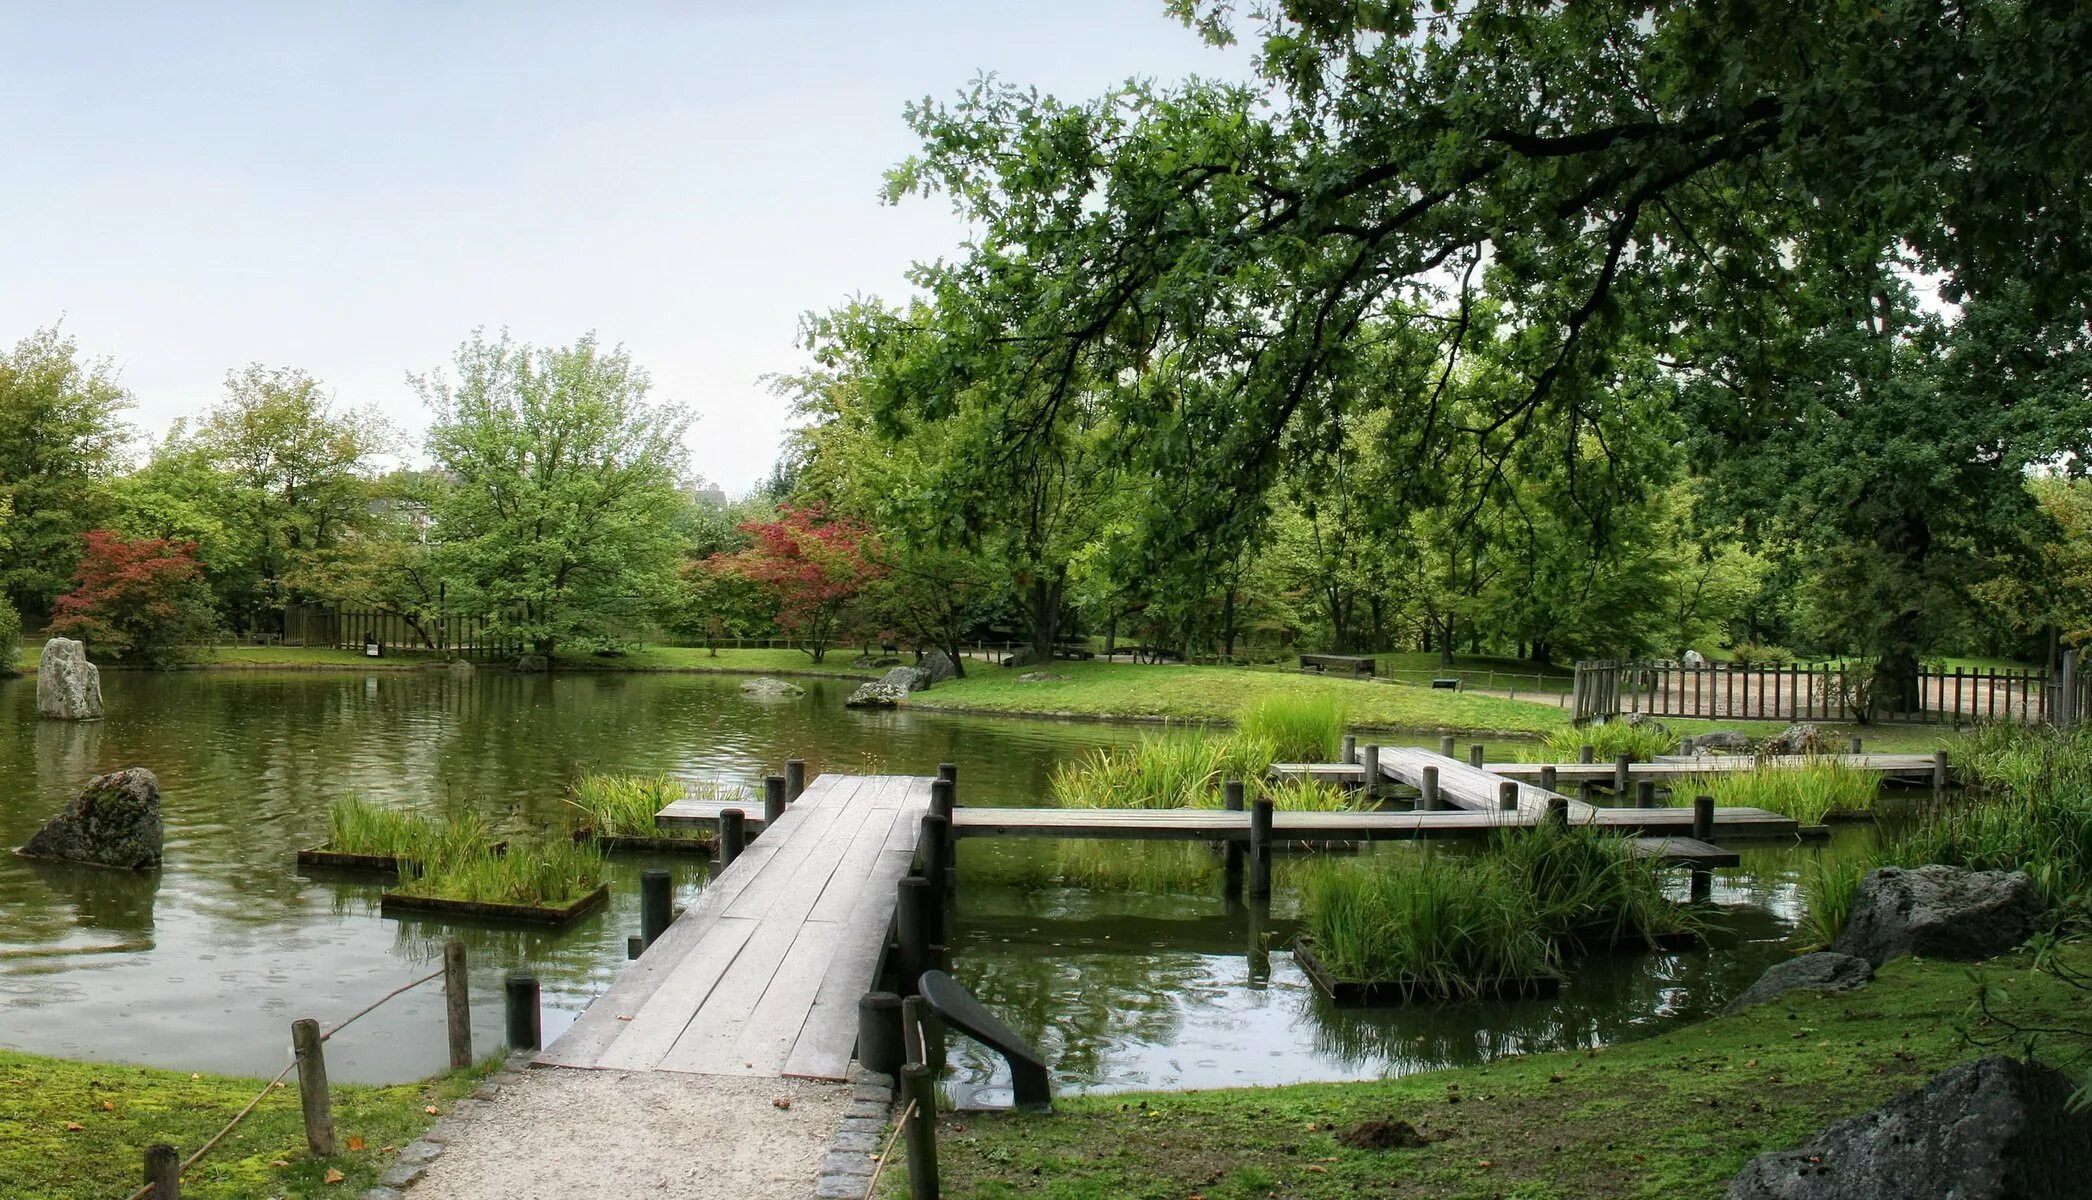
x,y
462,667
114,822
1990,1129
68,687
938,666
908,679
1939,912
532,664
877,694
1718,741
1825,971
1798,739
764,685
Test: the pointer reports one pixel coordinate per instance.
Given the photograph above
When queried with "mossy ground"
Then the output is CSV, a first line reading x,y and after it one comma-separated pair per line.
x,y
78,1131
1673,1115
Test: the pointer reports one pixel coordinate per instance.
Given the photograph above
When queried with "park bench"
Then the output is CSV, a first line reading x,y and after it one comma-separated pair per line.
x,y
1452,682
1322,663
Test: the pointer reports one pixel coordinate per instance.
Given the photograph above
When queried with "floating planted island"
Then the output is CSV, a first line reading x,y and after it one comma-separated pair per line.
x,y
552,882
616,812
362,836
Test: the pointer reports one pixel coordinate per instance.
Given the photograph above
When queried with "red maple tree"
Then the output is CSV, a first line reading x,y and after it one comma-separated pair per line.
x,y
811,563
138,599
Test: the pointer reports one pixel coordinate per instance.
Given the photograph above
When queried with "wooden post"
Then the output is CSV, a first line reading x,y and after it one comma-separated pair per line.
x,y
1260,850
1558,812
1369,783
1587,753
457,1004
944,802
635,946
1645,793
1702,885
916,920
1445,744
936,843
1623,769
1474,755
795,779
657,891
1548,778
1939,770
773,799
1231,852
1855,746
312,1086
948,771
163,1171
920,1132
1429,800
1507,796
519,994
733,836
1703,818
879,1039
943,797
1348,751
922,1035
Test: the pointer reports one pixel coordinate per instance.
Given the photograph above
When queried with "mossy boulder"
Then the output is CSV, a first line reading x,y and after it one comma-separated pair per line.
x,y
68,687
113,822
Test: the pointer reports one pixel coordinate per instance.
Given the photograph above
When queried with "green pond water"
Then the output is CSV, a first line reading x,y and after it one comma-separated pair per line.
x,y
203,964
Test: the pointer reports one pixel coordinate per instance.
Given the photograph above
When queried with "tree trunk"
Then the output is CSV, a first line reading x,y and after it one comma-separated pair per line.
x,y
1045,617
1445,643
1111,634
1227,626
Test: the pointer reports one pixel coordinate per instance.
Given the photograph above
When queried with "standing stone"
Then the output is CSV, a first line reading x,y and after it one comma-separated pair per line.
x,y
68,687
938,666
1939,911
113,822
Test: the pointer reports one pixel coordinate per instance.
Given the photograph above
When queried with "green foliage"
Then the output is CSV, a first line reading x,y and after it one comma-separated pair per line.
x,y
1808,793
10,636
1609,740
624,805
1184,769
1582,886
420,843
1302,728
60,440
1455,926
1753,654
549,873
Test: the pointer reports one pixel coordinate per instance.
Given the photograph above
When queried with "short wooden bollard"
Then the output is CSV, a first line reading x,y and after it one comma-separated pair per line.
x,y
635,946
1702,886
457,1004
773,799
1548,778
1703,818
916,922
1558,813
1474,756
944,797
944,802
1445,744
1939,770
1587,753
1427,793
312,1086
733,836
948,771
163,1171
795,779
1347,750
519,994
657,892
919,1092
936,842
1645,793
879,1045
1231,799
1260,850
1507,796
1623,772
1370,756
1855,746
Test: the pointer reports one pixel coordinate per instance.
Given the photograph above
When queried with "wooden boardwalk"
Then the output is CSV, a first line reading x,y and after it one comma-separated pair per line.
x,y
1666,766
704,814
1220,825
762,975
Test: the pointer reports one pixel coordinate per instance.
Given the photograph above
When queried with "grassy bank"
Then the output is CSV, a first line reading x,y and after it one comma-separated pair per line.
x,y
650,658
78,1131
1091,689
1672,1115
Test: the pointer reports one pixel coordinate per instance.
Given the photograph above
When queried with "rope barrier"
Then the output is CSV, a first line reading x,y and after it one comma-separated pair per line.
x,y
273,1084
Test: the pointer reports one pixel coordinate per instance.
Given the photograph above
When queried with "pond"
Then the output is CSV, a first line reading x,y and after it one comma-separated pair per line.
x,y
203,964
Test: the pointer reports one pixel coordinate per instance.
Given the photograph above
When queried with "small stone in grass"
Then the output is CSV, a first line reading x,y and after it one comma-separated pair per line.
x,y
1383,1135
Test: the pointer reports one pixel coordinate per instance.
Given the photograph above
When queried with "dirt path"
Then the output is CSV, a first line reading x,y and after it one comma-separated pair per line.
x,y
573,1135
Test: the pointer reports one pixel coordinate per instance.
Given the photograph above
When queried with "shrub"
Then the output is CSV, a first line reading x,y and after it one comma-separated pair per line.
x,y
1302,728
1754,654
10,637
142,600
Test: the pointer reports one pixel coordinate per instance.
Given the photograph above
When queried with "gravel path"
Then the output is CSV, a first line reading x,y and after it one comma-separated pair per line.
x,y
577,1134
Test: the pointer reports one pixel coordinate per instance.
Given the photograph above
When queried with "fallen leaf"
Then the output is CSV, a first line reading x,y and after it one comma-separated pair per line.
x,y
74,1127
1483,1162
430,1109
783,1102
357,1143
279,1162
1318,1170
332,1176
108,1107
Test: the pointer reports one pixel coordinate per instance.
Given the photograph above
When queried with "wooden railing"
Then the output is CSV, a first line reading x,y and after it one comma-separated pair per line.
x,y
1822,691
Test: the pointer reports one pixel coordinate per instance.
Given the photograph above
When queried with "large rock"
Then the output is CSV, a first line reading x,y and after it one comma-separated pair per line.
x,y
532,664
1825,971
1939,912
908,679
876,694
1990,1129
764,685
113,822
1798,739
68,687
1718,741
938,666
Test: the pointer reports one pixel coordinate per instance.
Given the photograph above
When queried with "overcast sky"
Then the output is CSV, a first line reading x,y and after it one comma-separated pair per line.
x,y
351,188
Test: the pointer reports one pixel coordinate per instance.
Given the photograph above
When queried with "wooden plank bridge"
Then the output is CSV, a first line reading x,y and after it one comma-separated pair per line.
x,y
762,975
1663,767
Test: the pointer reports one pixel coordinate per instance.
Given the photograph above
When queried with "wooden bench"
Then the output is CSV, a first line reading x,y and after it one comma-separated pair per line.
x,y
1351,664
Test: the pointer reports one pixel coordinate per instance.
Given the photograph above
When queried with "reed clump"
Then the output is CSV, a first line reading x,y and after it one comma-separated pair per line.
x,y
1305,728
414,840
1609,740
622,805
1807,793
550,873
1586,888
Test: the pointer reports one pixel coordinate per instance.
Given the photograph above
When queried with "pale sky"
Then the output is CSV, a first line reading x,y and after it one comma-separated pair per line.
x,y
350,189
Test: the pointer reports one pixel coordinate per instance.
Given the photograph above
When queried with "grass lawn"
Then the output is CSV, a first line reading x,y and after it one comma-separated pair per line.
x,y
1669,1116
78,1131
1093,689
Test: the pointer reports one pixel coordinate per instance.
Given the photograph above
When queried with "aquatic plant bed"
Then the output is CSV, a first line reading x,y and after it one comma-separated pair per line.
x,y
395,904
377,864
1413,991
615,842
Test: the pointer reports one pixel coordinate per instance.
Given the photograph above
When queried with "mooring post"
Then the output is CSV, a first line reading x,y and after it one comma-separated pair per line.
x,y
944,802
948,771
1260,850
1474,755
312,1086
1347,751
519,994
1445,744
1939,770
733,836
1507,796
1645,793
944,797
457,1004
1623,769
1369,757
795,779
635,946
1427,794
1558,813
1587,753
936,842
1231,850
774,792
916,920
1702,885
879,1032
1548,778
919,1093
657,892
163,1171
1703,818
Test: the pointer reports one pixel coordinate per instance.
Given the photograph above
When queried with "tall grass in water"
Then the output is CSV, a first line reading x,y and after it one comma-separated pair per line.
x,y
357,826
1307,728
1586,887
1175,770
550,873
1133,866
1609,740
1807,793
2027,762
624,805
1455,927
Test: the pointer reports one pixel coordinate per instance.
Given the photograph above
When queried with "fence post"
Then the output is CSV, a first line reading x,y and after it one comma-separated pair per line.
x,y
520,1000
163,1171
920,1091
1939,770
775,790
656,904
1855,746
1260,850
457,1004
795,779
1231,853
312,1086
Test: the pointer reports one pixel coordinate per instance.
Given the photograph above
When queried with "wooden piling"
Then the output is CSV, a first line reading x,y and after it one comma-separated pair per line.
x,y
1347,752
1587,753
1260,850
1369,755
943,797
1231,853
1474,756
1645,793
1855,748
519,996
1702,888
948,771
1427,798
1623,768
795,779
936,842
1558,812
457,1004
163,1171
944,800
1445,744
1507,796
919,1093
922,1035
733,836
1548,778
1939,770
657,892
879,1032
916,921
1703,818
635,946
312,1086
773,799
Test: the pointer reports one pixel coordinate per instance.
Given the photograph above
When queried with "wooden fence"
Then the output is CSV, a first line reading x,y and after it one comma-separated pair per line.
x,y
352,628
1826,691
